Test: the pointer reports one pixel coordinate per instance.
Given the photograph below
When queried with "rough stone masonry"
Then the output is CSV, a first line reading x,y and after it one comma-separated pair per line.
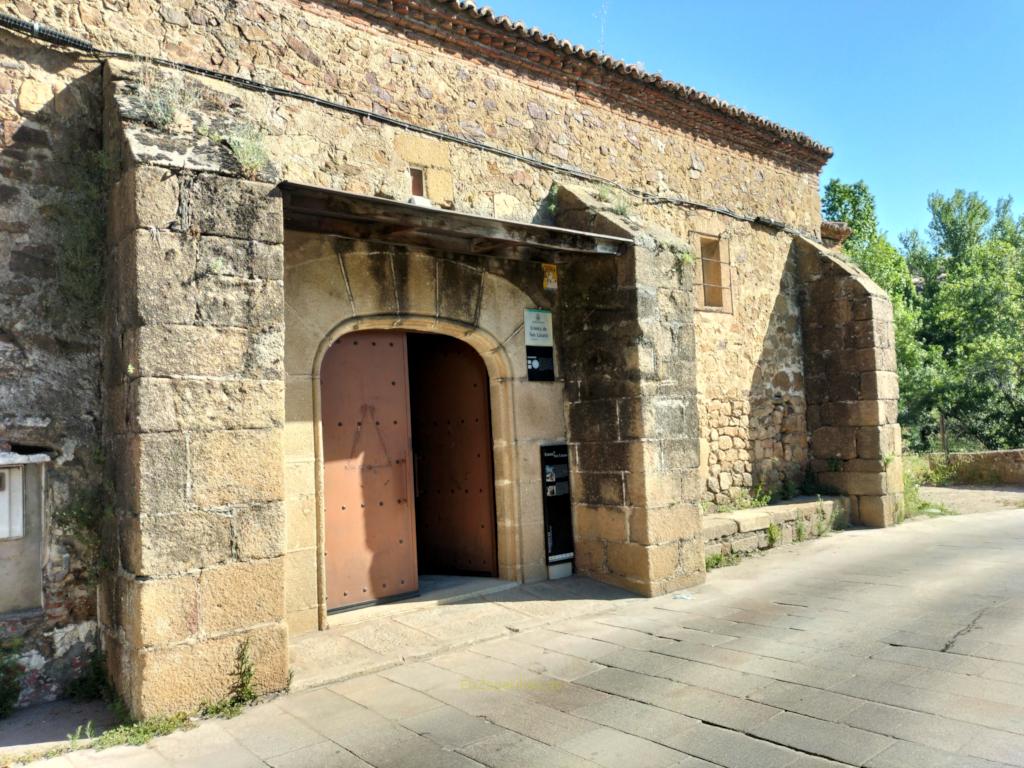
x,y
725,349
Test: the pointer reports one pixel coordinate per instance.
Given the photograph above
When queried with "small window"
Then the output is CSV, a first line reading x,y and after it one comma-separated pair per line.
x,y
12,523
713,275
416,181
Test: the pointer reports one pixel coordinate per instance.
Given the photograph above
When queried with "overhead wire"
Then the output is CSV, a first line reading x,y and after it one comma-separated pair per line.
x,y
58,38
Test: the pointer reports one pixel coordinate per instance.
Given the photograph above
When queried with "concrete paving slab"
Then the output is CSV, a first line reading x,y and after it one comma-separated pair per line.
x,y
513,750
325,754
731,749
385,697
643,720
270,731
904,754
615,749
822,738
931,731
815,656
450,727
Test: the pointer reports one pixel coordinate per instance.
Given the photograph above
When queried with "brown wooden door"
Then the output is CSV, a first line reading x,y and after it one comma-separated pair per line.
x,y
370,543
455,524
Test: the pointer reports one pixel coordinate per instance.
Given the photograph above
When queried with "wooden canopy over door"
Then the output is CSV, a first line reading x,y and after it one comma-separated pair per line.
x,y
370,542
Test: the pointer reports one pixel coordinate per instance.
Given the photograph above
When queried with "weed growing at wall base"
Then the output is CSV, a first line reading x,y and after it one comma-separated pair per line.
x,y
10,676
720,560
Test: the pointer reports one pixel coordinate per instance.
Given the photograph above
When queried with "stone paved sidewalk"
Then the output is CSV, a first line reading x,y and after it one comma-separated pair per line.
x,y
883,648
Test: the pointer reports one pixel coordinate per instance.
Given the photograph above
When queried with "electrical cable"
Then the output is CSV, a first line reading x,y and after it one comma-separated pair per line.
x,y
56,37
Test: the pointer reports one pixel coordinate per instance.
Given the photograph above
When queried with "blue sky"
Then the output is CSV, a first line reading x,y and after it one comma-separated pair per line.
x,y
914,97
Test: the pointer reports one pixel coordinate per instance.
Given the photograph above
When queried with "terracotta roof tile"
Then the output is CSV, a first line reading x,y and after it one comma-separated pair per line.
x,y
684,92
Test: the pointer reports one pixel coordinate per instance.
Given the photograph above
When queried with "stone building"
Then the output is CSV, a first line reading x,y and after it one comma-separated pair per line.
x,y
294,315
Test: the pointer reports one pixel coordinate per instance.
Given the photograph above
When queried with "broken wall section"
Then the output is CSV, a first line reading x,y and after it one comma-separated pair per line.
x,y
852,386
627,341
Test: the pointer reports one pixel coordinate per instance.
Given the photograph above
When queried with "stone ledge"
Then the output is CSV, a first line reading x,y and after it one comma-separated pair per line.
x,y
746,530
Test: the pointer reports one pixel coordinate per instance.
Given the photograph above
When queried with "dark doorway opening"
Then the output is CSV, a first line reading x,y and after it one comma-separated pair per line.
x,y
449,393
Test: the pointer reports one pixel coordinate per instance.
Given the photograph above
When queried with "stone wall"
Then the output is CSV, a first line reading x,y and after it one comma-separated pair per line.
x,y
468,85
852,388
51,250
193,410
626,338
750,373
981,467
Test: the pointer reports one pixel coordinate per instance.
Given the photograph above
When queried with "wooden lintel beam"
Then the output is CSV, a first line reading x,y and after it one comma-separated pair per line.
x,y
386,220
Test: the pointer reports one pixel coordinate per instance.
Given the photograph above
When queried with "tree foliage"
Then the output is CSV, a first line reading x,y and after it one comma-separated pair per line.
x,y
958,300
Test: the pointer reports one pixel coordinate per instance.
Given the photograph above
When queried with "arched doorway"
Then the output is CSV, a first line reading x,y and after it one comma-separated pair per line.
x,y
408,468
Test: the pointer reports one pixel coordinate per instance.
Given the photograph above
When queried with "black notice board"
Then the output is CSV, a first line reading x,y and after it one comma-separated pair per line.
x,y
540,364
554,465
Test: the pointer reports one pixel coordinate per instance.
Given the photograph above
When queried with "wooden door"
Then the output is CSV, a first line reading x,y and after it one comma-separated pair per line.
x,y
370,542
455,523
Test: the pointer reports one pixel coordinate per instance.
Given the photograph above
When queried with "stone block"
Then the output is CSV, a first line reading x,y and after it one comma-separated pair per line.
x,y
655,488
302,621
421,151
236,466
301,343
878,442
501,307
299,479
539,411
744,543
300,522
317,295
225,256
228,207
159,611
258,530
855,483
166,405
163,272
593,421
144,197
416,283
300,579
611,456
861,413
172,350
834,442
298,439
239,302
241,595
718,526
751,519
156,474
371,279
591,556
784,513
459,290
182,677
663,524
630,560
598,488
606,523
663,561
879,385
158,546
